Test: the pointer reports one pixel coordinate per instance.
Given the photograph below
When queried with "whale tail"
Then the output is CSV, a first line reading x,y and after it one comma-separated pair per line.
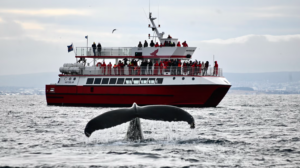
x,y
152,112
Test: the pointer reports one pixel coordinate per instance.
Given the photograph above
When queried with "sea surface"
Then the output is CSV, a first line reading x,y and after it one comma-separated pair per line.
x,y
243,131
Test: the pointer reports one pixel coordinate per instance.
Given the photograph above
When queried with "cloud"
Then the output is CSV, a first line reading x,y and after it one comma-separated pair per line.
x,y
45,12
10,30
252,53
32,25
244,39
243,35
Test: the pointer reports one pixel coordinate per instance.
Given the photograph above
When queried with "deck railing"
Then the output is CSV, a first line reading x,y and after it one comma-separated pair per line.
x,y
143,70
111,51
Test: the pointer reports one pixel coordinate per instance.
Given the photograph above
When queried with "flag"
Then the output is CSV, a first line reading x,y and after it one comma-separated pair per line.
x,y
86,37
70,48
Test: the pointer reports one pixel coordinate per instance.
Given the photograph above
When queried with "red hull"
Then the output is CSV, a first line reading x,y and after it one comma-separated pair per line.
x,y
125,96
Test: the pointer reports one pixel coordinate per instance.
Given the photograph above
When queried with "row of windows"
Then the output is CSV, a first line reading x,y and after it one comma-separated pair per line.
x,y
124,81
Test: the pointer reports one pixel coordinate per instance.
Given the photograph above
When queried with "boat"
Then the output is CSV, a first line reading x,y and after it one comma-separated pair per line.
x,y
169,81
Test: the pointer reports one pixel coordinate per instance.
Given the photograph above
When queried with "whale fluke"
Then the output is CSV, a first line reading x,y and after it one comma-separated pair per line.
x,y
152,112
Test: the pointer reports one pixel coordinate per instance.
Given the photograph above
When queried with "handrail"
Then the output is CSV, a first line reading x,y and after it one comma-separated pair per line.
x,y
143,70
105,51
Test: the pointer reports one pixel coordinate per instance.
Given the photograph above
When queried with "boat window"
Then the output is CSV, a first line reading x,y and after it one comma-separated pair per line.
x,y
159,80
136,80
112,80
128,81
151,81
97,81
105,80
90,81
144,80
120,81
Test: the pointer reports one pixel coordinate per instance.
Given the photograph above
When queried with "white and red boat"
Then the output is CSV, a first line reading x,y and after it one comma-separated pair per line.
x,y
82,84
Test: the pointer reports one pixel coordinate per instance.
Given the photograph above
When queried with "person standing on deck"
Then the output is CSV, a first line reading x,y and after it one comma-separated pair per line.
x,y
122,68
99,48
199,67
94,48
115,69
179,67
196,67
184,44
145,44
150,67
206,67
109,69
156,68
140,45
216,68
152,43
104,67
119,67
161,67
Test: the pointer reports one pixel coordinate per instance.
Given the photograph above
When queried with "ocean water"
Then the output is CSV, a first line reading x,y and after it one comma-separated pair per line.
x,y
243,131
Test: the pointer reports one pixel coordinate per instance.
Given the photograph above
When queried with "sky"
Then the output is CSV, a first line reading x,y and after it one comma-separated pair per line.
x,y
243,36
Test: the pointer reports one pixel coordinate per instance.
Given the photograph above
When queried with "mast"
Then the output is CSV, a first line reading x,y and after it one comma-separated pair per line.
x,y
154,28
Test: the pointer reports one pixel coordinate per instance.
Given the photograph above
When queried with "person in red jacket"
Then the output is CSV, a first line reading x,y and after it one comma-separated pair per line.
x,y
156,45
193,68
184,44
161,67
109,68
104,67
216,68
178,44
156,68
184,68
119,67
115,69
179,68
199,67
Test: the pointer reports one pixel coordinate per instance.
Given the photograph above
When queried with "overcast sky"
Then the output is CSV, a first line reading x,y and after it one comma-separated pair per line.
x,y
244,36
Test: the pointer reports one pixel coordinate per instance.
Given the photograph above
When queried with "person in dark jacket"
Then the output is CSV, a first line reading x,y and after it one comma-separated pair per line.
x,y
145,43
125,61
143,67
99,48
206,67
150,67
166,44
140,45
152,43
94,48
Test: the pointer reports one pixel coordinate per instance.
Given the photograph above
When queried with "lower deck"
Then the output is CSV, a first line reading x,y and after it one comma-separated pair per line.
x,y
125,96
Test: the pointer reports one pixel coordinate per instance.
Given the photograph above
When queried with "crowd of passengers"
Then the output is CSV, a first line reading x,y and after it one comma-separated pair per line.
x,y
97,48
165,44
147,67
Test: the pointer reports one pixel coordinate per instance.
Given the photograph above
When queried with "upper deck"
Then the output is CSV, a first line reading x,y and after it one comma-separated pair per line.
x,y
166,52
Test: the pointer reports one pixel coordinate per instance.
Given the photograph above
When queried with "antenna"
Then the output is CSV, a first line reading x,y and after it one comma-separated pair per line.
x,y
149,6
146,16
158,15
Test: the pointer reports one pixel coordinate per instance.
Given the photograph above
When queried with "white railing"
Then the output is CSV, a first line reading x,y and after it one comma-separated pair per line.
x,y
143,70
111,51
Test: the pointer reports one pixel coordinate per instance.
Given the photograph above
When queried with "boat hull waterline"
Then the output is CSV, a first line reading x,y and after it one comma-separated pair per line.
x,y
125,96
